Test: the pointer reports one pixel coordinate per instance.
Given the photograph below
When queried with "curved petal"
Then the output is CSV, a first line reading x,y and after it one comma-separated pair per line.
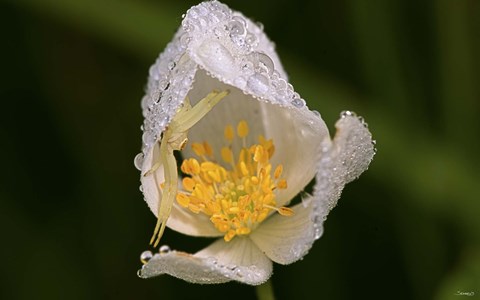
x,y
296,132
238,260
186,222
286,239
235,51
342,161
353,145
298,135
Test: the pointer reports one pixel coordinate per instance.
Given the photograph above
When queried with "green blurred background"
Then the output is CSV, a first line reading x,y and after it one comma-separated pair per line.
x,y
73,221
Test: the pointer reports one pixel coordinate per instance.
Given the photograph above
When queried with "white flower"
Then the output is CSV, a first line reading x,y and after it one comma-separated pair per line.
x,y
256,146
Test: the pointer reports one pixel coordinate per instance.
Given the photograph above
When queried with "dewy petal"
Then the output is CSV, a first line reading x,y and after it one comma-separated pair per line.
x,y
216,42
238,260
287,239
342,161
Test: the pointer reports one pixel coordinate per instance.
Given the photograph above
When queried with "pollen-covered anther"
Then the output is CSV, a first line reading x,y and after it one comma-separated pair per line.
x,y
238,195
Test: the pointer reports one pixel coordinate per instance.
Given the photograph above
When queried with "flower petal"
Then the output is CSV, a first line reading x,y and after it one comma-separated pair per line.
x,y
286,239
293,130
186,222
298,135
238,260
342,161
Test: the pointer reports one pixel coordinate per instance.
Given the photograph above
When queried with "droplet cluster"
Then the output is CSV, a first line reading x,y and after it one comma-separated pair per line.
x,y
340,163
206,270
230,48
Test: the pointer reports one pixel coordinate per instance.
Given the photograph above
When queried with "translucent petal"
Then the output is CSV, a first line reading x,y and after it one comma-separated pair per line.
x,y
286,239
297,132
238,260
186,222
341,162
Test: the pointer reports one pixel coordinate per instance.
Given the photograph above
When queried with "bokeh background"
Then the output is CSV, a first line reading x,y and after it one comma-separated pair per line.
x,y
72,218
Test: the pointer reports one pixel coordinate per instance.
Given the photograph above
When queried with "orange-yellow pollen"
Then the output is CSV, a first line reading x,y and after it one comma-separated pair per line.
x,y
239,197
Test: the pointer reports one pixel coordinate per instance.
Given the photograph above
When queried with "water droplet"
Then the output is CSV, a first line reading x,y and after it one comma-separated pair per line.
x,y
211,260
238,272
138,161
251,40
317,114
298,102
260,26
164,249
185,39
258,83
147,138
265,63
171,65
232,267
347,113
240,82
237,27
146,256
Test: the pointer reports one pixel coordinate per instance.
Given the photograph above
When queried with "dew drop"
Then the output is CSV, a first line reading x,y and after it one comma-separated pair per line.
x,y
138,161
251,40
171,65
298,102
237,28
347,113
265,63
258,83
238,272
164,249
146,256
260,26
211,260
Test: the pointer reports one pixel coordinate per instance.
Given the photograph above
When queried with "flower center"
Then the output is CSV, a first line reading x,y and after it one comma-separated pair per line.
x,y
239,198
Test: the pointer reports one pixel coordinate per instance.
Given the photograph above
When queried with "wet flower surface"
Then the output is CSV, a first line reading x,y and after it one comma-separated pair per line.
x,y
246,154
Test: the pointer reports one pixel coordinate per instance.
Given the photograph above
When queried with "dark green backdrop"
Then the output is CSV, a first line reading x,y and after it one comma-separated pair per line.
x,y
73,221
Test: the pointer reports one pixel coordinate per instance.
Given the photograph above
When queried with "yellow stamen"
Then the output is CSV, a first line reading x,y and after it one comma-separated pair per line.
x,y
227,154
229,133
242,129
199,149
239,198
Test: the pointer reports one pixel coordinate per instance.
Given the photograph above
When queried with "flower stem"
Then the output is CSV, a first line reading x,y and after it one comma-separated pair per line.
x,y
265,291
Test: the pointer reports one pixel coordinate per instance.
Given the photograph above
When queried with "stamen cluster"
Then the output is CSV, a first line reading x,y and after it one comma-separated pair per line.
x,y
239,197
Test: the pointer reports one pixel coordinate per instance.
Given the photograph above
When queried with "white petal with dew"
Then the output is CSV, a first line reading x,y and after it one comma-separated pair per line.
x,y
342,161
286,239
353,145
238,260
